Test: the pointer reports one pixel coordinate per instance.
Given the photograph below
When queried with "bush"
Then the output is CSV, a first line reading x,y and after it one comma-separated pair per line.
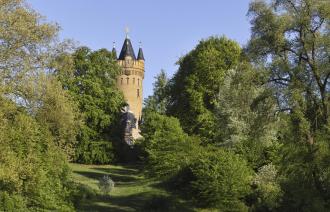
x,y
12,202
33,172
221,179
80,193
267,190
167,148
106,184
162,203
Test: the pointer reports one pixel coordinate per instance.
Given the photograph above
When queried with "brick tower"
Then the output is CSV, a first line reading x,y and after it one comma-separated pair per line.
x,y
130,80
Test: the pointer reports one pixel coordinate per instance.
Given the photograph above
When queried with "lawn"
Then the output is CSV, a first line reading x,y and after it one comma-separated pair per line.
x,y
132,191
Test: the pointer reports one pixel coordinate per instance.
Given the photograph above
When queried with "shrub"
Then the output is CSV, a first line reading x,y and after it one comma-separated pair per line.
x,y
267,191
168,149
33,172
221,179
106,184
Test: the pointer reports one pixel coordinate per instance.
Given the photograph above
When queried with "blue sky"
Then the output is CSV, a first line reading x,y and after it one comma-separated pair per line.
x,y
168,29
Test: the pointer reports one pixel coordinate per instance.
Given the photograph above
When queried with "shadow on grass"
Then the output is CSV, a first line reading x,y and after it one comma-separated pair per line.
x,y
144,201
118,179
140,201
118,171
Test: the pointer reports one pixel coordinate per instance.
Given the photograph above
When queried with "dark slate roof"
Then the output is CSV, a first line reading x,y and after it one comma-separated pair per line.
x,y
114,52
140,54
127,50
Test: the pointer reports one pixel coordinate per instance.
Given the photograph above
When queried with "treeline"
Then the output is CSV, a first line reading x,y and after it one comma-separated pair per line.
x,y
58,103
248,129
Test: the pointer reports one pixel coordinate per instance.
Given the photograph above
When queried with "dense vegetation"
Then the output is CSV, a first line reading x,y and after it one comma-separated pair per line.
x,y
244,129
37,117
235,129
90,78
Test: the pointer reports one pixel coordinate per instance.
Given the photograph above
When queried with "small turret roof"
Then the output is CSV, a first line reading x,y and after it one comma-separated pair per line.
x,y
114,52
140,54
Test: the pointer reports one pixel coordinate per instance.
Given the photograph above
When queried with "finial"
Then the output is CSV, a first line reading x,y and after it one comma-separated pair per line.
x,y
114,44
140,44
127,31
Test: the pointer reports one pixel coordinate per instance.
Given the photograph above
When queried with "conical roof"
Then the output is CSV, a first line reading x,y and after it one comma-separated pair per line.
x,y
140,54
114,52
127,50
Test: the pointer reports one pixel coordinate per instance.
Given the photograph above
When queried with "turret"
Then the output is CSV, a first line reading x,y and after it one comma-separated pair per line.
x,y
114,51
140,54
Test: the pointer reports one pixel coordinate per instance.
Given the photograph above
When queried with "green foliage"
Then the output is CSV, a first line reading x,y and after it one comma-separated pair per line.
x,y
12,202
291,40
59,113
159,100
91,80
195,87
305,165
245,114
218,178
267,190
33,171
167,147
37,119
81,193
221,179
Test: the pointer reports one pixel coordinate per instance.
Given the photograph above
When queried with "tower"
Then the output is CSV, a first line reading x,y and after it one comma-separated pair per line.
x,y
130,80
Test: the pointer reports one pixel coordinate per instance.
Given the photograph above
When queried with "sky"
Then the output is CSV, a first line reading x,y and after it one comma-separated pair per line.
x,y
167,29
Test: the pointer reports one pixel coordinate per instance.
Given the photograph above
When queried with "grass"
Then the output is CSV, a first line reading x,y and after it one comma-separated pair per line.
x,y
132,191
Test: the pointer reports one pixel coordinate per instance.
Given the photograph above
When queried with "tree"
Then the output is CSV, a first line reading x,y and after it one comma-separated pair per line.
x,y
91,80
195,86
246,115
291,39
34,174
221,180
167,148
159,100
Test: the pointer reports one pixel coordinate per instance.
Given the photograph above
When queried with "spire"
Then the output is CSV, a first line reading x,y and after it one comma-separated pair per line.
x,y
114,51
127,50
140,54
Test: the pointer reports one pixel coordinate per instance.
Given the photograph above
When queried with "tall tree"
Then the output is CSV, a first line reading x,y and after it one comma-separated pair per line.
x,y
291,38
159,100
91,80
33,169
195,87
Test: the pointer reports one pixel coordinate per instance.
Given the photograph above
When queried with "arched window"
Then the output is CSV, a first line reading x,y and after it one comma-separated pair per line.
x,y
121,81
138,81
127,80
138,92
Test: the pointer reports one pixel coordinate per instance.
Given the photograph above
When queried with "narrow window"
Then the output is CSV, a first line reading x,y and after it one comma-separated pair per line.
x,y
127,80
121,81
138,92
138,81
133,80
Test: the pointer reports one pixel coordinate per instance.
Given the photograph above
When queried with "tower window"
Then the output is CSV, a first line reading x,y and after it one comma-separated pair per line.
x,y
138,92
121,81
127,80
138,81
133,80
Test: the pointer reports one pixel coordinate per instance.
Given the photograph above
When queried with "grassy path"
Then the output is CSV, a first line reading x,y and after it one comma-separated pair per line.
x,y
132,192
